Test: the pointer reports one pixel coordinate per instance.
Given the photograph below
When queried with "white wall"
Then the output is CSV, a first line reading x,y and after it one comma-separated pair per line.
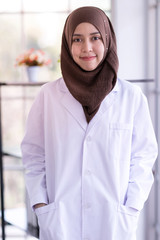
x,y
129,25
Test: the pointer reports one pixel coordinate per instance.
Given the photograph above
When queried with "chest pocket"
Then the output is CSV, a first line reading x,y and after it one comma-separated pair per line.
x,y
120,139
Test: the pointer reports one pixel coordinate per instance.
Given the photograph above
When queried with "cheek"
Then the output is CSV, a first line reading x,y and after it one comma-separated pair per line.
x,y
101,50
74,51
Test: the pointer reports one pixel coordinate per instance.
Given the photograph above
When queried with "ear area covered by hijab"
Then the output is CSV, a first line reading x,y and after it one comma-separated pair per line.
x,y
89,87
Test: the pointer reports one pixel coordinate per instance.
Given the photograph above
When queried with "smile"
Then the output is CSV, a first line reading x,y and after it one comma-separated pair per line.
x,y
88,58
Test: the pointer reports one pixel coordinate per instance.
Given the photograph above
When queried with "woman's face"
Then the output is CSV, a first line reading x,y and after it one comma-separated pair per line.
x,y
87,46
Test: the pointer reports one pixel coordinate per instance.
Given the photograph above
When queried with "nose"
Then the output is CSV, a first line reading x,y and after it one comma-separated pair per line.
x,y
87,46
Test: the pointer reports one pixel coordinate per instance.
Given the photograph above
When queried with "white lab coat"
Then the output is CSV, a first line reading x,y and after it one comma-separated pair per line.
x,y
94,177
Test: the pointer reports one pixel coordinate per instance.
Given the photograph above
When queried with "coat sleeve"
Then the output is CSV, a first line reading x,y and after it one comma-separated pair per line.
x,y
143,155
33,153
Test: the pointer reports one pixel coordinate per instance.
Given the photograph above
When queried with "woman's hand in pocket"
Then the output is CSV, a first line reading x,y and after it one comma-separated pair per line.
x,y
38,205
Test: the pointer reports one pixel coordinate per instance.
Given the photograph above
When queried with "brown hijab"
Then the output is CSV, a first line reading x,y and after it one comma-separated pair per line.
x,y
89,87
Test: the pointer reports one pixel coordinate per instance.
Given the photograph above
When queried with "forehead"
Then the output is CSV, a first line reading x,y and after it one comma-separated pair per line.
x,y
85,28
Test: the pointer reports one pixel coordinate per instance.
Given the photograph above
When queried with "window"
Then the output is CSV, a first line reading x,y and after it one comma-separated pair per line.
x,y
35,24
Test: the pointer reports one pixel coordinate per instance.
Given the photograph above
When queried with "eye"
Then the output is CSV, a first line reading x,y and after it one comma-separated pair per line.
x,y
76,40
94,38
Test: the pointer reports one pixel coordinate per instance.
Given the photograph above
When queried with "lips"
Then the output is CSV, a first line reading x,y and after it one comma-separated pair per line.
x,y
88,58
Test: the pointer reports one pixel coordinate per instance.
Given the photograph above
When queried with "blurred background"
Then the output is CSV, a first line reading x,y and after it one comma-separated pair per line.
x,y
38,24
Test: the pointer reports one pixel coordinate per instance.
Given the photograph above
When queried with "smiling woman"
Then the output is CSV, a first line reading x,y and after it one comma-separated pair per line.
x,y
87,154
97,57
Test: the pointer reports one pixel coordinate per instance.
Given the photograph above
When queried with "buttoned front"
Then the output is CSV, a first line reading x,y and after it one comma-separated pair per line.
x,y
93,177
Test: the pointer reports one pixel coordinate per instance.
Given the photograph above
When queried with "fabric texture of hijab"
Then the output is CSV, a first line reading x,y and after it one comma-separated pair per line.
x,y
89,87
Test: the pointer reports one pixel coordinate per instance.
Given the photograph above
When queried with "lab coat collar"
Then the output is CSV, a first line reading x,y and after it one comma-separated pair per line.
x,y
76,110
72,105
64,88
105,105
116,87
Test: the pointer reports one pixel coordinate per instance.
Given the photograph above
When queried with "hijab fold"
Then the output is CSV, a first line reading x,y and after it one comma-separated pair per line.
x,y
89,87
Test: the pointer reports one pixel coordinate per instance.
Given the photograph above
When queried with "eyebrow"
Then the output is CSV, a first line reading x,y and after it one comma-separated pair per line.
x,y
77,34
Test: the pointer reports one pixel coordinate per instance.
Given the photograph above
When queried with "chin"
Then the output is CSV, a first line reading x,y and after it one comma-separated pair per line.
x,y
88,69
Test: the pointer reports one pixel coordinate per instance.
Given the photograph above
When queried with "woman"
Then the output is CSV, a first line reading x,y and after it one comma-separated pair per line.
x,y
87,152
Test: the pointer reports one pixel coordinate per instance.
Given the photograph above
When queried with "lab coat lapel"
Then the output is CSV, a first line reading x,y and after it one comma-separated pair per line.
x,y
73,106
106,103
